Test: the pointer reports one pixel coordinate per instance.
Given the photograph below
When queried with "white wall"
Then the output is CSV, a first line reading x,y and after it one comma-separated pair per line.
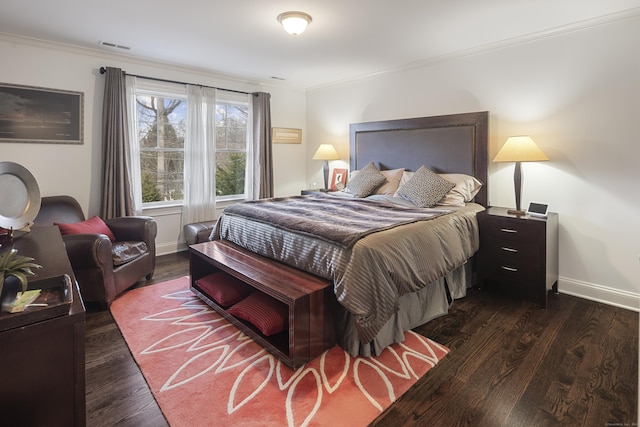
x,y
289,168
76,169
577,93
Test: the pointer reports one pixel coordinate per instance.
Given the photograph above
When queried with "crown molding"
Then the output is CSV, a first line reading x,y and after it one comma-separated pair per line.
x,y
490,47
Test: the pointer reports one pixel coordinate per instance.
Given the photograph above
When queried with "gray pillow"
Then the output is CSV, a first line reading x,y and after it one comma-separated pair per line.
x,y
366,181
425,188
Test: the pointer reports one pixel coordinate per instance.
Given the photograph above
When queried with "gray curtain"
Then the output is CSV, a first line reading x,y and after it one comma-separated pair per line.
x,y
263,157
116,191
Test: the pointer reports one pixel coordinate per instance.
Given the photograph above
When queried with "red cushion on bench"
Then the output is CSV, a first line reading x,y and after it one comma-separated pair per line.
x,y
225,289
265,313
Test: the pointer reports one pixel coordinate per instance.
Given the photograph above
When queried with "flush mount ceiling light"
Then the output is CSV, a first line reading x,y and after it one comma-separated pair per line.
x,y
294,23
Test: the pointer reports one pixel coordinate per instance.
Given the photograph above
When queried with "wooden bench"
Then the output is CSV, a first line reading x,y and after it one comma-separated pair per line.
x,y
310,324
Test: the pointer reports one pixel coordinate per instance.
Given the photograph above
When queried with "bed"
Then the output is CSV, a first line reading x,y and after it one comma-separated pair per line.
x,y
396,275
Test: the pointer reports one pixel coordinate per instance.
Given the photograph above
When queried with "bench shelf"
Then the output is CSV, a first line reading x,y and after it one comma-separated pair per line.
x,y
308,298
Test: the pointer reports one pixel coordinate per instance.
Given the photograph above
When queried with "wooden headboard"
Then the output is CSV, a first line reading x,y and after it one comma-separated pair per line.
x,y
456,143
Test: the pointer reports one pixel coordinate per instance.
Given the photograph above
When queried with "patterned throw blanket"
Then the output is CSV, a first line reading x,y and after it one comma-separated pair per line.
x,y
342,221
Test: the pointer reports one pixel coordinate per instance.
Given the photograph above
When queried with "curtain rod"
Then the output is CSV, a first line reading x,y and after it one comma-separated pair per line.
x,y
104,70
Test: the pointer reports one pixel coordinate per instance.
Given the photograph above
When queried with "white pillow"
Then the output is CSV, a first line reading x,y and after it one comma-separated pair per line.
x,y
465,190
393,182
406,176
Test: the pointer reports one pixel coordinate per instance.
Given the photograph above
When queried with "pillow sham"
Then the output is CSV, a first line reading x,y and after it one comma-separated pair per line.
x,y
465,190
393,177
425,188
366,181
93,225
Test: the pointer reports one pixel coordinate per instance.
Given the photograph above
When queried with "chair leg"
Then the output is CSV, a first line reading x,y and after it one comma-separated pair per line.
x,y
149,276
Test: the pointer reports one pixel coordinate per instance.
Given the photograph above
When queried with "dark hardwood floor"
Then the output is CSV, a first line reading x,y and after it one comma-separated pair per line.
x,y
511,364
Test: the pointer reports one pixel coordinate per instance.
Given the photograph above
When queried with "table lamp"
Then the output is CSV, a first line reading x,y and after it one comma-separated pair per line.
x,y
519,149
326,152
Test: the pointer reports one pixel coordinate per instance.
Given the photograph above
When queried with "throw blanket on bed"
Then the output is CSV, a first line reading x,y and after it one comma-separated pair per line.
x,y
335,220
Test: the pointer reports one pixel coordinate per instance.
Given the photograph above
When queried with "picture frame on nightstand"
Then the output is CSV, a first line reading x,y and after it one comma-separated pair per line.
x,y
338,179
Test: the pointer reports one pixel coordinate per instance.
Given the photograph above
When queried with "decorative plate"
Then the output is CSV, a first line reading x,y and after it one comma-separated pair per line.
x,y
20,196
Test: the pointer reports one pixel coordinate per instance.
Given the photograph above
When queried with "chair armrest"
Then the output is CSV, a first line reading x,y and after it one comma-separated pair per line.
x,y
88,251
136,228
198,232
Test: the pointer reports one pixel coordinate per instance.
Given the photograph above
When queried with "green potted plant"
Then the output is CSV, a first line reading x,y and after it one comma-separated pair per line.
x,y
14,270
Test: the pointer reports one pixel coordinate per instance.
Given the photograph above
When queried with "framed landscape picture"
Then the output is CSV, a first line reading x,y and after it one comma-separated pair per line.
x,y
34,114
286,136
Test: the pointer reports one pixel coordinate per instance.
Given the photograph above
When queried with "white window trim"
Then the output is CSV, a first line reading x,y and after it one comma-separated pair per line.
x,y
176,90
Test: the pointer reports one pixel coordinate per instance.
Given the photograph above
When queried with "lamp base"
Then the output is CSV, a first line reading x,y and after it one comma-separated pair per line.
x,y
325,170
516,212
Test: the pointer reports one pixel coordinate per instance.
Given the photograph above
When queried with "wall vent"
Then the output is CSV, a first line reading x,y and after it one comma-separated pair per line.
x,y
116,46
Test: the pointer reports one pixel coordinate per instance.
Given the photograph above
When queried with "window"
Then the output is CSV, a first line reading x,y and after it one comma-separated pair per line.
x,y
161,122
232,119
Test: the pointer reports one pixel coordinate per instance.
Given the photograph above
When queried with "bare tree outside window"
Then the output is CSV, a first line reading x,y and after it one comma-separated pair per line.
x,y
161,127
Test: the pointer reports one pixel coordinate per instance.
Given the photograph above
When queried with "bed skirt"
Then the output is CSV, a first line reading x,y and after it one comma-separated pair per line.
x,y
415,309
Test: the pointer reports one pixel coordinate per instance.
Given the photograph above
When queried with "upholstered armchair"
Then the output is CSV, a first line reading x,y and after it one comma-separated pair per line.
x,y
103,268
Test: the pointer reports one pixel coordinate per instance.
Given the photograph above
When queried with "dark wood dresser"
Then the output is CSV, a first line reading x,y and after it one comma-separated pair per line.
x,y
518,254
43,362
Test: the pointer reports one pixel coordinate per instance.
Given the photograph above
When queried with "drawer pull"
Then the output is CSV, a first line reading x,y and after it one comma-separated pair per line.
x,y
508,230
509,249
509,268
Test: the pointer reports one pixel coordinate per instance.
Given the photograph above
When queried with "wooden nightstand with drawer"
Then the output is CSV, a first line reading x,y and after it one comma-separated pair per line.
x,y
518,254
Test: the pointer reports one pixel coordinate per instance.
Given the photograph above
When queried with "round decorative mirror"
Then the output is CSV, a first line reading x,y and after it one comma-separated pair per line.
x,y
20,196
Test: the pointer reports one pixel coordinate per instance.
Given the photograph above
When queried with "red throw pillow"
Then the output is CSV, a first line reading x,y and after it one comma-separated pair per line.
x,y
225,289
265,313
93,225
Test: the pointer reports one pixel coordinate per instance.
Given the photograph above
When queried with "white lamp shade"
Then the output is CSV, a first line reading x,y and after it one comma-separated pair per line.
x,y
520,149
294,23
326,152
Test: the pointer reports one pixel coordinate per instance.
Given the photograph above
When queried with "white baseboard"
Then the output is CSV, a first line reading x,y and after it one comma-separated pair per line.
x,y
599,293
577,288
169,248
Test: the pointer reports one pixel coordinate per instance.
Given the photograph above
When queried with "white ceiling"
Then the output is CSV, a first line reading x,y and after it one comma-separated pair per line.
x,y
347,38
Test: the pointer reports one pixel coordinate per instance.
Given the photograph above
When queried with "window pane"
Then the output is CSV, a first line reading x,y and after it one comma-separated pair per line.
x,y
231,126
161,130
221,138
162,175
230,172
231,147
237,116
236,138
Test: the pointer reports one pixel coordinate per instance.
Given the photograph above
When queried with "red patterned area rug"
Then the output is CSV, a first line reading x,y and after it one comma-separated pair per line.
x,y
205,372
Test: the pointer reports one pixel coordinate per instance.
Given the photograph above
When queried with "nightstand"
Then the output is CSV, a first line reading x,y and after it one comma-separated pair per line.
x,y
518,254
